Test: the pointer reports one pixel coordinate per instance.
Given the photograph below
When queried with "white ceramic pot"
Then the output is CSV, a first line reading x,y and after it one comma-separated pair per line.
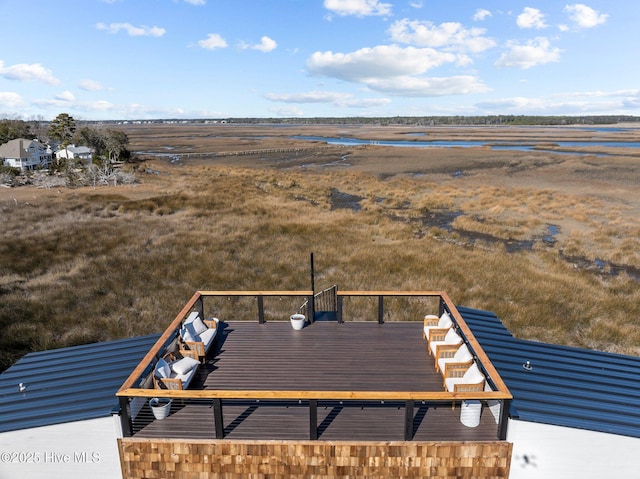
x,y
160,407
297,321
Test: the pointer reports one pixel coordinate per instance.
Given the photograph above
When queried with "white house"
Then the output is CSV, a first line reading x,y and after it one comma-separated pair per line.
x,y
25,154
57,410
73,152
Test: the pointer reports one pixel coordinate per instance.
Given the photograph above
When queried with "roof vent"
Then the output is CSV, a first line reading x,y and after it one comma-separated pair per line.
x,y
22,387
527,366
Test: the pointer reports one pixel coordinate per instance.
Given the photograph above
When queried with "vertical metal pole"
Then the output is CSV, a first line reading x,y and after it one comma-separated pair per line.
x,y
201,307
311,302
217,418
311,309
260,309
313,419
504,420
380,309
408,420
125,417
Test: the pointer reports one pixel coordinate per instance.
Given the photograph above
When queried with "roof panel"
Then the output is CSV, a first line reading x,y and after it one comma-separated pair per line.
x,y
566,386
68,384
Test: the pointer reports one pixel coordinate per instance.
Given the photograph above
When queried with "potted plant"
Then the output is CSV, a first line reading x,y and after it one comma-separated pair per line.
x,y
160,407
297,321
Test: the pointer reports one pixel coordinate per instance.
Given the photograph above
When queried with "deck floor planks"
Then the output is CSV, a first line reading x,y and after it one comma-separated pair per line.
x,y
362,356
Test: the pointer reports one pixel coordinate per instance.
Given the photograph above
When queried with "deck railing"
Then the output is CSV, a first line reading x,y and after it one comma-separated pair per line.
x,y
138,388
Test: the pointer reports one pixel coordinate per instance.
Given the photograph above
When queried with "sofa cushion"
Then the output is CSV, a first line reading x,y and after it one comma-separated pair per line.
x,y
198,326
188,336
162,369
184,365
208,336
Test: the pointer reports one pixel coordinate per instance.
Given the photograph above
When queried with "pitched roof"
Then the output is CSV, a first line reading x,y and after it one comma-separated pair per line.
x,y
18,148
68,384
565,386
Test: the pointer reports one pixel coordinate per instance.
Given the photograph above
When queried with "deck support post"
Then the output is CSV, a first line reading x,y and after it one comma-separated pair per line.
x,y
313,419
408,420
125,416
339,312
504,420
380,309
217,417
260,309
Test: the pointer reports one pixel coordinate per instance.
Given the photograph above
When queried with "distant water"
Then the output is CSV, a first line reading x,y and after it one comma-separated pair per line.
x,y
526,146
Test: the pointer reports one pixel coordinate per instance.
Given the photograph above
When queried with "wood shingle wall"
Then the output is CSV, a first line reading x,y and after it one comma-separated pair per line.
x,y
187,459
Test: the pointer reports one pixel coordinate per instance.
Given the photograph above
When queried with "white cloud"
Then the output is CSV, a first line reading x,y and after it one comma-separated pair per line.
x,y
531,18
288,112
359,8
377,62
9,99
27,73
417,5
132,31
584,16
429,86
334,98
449,35
394,70
535,52
65,96
266,45
481,14
213,41
196,2
90,85
515,103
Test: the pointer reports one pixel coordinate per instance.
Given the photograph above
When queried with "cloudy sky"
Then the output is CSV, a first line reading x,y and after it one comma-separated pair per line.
x,y
139,59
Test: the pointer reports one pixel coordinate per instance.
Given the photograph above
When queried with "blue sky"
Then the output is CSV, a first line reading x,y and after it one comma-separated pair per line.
x,y
143,59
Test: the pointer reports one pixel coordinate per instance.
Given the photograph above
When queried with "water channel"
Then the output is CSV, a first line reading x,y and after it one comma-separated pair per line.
x,y
507,145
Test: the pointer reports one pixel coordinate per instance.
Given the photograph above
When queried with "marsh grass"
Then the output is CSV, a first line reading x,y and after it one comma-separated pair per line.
x,y
86,265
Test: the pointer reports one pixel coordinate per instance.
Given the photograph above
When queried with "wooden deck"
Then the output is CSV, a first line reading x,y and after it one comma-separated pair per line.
x,y
324,356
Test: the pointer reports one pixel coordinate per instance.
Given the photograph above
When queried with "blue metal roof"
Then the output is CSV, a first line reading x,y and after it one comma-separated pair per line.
x,y
68,384
566,386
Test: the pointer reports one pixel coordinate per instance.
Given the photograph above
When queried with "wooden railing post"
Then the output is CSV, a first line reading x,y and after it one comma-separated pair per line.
x,y
408,420
313,419
339,312
260,309
380,309
217,417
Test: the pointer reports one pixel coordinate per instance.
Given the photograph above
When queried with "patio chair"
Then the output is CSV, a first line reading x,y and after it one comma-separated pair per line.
x,y
451,355
442,337
472,380
431,321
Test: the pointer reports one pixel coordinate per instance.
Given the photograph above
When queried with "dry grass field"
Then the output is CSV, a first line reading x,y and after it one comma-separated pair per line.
x,y
547,240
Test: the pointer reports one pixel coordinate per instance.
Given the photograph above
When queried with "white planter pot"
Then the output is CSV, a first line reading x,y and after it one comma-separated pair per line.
x,y
297,321
160,407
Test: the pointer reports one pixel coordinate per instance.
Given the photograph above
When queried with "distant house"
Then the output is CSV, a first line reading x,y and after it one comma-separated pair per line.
x,y
25,154
73,152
